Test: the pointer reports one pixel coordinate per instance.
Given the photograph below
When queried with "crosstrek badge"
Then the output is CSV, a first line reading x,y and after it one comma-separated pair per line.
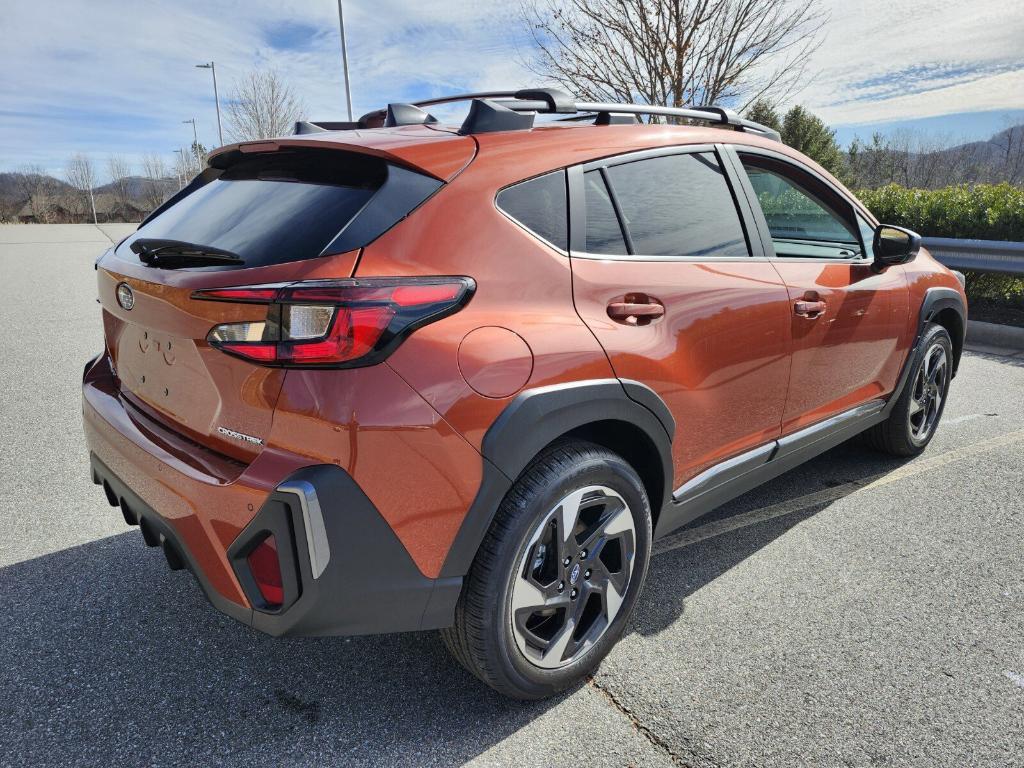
x,y
240,436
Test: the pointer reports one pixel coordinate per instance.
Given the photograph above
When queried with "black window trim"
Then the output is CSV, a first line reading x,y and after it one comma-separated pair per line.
x,y
627,237
761,224
578,211
523,226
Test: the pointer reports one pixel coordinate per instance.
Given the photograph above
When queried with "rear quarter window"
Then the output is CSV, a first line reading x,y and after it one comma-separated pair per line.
x,y
540,205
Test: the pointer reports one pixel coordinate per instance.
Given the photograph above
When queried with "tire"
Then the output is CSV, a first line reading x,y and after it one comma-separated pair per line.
x,y
915,417
498,635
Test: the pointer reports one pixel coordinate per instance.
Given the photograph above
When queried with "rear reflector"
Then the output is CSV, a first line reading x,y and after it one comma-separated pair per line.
x,y
335,323
266,571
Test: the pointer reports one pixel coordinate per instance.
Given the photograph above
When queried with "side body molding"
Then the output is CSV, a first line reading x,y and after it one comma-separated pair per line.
x,y
537,417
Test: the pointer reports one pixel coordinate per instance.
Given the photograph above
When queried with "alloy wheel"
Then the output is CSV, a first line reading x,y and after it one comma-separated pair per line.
x,y
571,580
928,393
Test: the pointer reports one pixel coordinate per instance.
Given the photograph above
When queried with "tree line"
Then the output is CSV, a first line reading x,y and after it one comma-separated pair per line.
x,y
751,55
906,158
260,106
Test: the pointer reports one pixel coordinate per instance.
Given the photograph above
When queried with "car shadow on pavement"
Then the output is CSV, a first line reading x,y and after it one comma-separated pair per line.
x,y
677,573
106,657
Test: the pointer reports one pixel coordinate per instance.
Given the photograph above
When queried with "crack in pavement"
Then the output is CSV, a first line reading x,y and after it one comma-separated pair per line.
x,y
654,739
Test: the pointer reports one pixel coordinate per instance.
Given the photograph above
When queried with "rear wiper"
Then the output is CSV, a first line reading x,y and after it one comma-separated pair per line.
x,y
161,252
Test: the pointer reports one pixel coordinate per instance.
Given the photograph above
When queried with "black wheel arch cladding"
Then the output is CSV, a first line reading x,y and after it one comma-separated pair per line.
x,y
535,419
941,305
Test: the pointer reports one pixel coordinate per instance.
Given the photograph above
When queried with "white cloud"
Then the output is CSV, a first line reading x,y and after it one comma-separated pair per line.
x,y
885,60
105,76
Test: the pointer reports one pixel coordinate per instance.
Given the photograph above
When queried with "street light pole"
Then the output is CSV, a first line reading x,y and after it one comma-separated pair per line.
x,y
181,157
195,143
344,60
216,98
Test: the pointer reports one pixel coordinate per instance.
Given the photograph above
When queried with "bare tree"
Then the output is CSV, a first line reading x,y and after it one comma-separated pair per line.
x,y
81,175
120,172
1010,146
35,187
914,159
262,106
189,162
155,189
674,52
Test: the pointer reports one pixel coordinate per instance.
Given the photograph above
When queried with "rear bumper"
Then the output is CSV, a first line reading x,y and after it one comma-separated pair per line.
x,y
346,572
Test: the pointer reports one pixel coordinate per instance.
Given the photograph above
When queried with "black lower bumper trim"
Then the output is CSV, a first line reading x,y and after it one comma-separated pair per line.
x,y
158,531
370,584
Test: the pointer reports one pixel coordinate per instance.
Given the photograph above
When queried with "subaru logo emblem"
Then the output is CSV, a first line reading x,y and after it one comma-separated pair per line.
x,y
125,297
575,575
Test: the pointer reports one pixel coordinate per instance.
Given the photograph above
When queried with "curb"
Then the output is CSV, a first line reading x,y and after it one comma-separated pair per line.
x,y
993,335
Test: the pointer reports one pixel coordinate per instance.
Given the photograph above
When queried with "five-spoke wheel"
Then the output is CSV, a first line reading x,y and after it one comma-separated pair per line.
x,y
572,578
914,416
929,390
558,573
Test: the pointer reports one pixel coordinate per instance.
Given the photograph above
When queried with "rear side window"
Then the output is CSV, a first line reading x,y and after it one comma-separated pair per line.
x,y
604,235
540,205
290,205
678,205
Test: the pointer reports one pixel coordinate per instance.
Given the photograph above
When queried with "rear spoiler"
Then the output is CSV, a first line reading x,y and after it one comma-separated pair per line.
x,y
320,126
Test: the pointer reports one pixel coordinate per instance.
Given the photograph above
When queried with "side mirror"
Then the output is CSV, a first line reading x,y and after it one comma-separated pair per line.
x,y
893,245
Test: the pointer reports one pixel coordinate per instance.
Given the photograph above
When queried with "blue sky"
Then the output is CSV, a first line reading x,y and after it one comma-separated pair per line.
x,y
113,76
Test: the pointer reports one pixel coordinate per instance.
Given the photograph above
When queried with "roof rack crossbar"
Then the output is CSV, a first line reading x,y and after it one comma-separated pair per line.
x,y
487,116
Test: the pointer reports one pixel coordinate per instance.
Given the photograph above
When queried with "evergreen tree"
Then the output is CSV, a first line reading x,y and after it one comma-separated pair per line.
x,y
806,133
763,111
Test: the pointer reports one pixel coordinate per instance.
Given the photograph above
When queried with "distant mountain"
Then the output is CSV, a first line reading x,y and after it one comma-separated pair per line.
x,y
138,186
991,151
54,195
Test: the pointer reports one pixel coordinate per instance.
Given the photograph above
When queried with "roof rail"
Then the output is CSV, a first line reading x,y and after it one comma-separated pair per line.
x,y
489,112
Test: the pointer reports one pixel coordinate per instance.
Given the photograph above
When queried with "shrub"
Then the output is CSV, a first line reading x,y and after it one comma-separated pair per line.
x,y
983,211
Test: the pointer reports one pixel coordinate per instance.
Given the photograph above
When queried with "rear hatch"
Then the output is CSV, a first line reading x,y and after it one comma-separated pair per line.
x,y
266,218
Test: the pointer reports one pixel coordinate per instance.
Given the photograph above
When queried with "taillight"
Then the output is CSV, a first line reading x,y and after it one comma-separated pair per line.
x,y
334,323
266,571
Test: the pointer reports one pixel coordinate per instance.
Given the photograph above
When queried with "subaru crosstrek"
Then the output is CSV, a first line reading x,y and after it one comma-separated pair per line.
x,y
394,375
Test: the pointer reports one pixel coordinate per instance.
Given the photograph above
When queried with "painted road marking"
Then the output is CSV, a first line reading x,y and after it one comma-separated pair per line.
x,y
827,495
961,419
1017,679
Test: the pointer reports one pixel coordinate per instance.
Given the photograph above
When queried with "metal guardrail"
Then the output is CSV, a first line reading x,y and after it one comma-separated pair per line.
x,y
978,255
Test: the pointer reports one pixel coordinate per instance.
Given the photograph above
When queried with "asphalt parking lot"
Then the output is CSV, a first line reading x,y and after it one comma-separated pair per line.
x,y
858,611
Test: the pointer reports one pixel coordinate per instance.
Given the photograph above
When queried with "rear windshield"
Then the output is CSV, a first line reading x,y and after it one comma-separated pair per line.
x,y
287,205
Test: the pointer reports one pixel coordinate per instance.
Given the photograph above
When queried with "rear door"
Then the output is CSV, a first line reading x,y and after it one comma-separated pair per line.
x,y
288,215
848,323
664,275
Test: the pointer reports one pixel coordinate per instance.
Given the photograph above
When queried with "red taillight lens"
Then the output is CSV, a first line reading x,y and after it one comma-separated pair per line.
x,y
266,571
335,323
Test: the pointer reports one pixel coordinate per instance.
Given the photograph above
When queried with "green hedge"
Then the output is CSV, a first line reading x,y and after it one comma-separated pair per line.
x,y
982,211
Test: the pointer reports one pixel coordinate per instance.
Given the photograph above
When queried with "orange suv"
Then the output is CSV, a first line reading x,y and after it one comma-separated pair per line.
x,y
393,375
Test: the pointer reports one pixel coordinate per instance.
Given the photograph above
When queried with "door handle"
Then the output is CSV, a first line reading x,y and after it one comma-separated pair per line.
x,y
809,309
635,313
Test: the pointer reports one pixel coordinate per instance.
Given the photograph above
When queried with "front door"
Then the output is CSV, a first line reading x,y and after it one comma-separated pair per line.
x,y
849,323
663,274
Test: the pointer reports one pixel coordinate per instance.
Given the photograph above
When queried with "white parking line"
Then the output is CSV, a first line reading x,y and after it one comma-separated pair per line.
x,y
1018,680
962,419
790,506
